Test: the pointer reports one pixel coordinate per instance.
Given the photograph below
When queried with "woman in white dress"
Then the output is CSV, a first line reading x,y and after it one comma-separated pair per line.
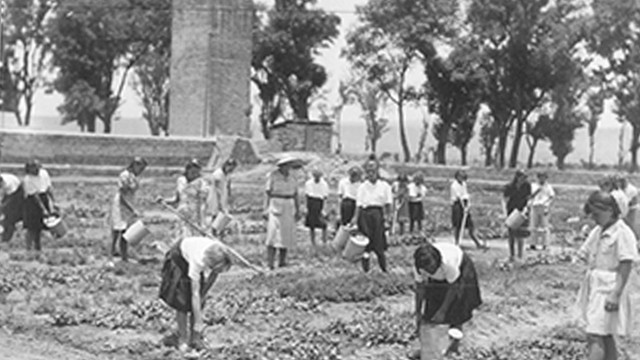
x,y
191,198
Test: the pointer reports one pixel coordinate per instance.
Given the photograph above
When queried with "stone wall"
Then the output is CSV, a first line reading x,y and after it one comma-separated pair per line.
x,y
98,149
304,136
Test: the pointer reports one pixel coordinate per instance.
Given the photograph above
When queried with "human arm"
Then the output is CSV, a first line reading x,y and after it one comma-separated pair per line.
x,y
613,299
296,202
452,293
420,297
208,283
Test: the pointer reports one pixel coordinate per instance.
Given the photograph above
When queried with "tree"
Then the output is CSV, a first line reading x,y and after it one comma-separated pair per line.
x,y
613,34
520,41
412,27
151,80
152,85
385,65
489,130
371,99
462,131
422,142
595,103
91,41
535,132
283,57
26,49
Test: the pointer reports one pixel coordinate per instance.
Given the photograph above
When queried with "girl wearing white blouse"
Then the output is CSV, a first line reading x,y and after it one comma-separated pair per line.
x,y
316,190
373,209
542,195
192,192
460,208
447,288
190,269
605,301
347,192
417,193
38,202
219,193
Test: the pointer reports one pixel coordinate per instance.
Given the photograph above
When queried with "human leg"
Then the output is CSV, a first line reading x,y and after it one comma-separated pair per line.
x,y
312,235
512,249
123,248
595,347
183,335
610,349
282,257
115,241
382,260
271,256
520,245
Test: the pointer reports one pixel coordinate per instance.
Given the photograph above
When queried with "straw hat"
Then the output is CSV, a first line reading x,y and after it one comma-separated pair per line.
x,y
288,159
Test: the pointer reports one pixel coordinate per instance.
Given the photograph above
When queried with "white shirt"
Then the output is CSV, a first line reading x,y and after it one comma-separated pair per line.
x,y
543,196
35,184
378,194
449,270
632,193
459,191
219,194
318,190
194,249
348,189
10,183
417,192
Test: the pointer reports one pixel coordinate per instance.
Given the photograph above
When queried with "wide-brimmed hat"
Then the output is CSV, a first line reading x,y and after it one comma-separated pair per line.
x,y
292,160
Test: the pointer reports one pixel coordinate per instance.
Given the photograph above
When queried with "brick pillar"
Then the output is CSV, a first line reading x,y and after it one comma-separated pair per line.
x,y
210,67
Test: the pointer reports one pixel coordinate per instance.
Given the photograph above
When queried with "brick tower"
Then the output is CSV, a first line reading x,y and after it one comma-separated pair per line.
x,y
210,67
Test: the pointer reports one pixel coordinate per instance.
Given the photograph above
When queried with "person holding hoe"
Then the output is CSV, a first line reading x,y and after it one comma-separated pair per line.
x,y
190,269
605,306
447,292
190,200
460,215
123,212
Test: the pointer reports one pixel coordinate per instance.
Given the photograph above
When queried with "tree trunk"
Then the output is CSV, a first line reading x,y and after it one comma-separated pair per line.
x,y
502,149
635,134
560,162
532,153
107,125
91,123
592,143
488,158
28,109
515,147
18,116
403,135
463,155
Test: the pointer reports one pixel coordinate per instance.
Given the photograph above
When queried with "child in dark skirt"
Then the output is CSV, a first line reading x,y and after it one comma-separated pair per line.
x,y
447,288
190,269
316,191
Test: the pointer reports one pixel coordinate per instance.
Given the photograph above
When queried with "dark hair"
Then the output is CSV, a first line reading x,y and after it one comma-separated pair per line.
x,y
32,164
231,162
601,200
403,178
137,160
426,254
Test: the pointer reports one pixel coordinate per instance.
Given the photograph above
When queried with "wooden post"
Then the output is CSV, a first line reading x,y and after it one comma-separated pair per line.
x,y
429,342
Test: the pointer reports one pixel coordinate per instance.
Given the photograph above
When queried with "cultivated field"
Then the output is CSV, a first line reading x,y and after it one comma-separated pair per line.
x,y
68,303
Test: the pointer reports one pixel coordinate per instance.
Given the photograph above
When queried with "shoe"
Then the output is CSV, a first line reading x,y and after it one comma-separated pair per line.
x,y
197,341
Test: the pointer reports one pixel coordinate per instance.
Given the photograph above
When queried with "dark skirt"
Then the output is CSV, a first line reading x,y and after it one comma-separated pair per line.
x,y
461,309
175,288
13,206
416,211
314,213
33,214
457,213
371,225
347,210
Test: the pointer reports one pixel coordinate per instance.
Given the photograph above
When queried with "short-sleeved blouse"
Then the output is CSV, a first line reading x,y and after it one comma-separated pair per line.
x,y
604,250
280,185
517,197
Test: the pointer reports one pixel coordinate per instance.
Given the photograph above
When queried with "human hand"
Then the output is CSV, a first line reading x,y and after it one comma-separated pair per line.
x,y
438,317
611,304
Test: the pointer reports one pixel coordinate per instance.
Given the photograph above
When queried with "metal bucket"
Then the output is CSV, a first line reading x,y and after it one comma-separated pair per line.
x,y
136,232
354,249
341,238
515,219
55,225
221,221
